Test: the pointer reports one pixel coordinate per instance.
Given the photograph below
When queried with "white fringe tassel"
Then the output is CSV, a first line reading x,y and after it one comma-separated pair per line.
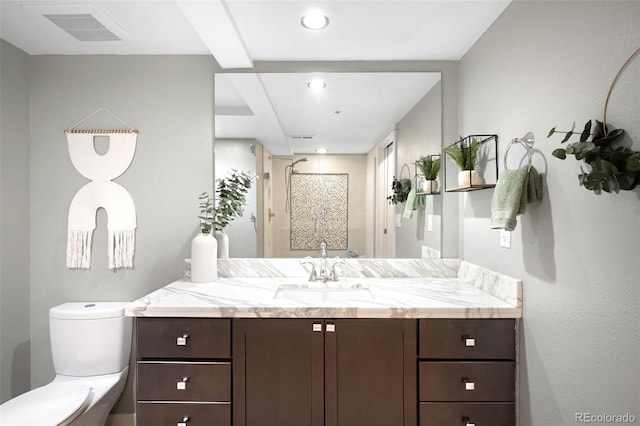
x,y
122,244
79,248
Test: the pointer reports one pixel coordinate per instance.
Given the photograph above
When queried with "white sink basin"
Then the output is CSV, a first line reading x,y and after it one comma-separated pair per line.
x,y
329,290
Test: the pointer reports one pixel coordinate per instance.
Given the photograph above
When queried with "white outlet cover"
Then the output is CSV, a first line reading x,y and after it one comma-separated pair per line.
x,y
505,238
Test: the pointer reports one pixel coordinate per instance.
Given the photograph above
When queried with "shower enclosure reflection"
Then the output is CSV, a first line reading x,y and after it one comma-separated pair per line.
x,y
375,126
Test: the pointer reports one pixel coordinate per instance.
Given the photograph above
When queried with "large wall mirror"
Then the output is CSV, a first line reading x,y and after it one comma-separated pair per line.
x,y
326,147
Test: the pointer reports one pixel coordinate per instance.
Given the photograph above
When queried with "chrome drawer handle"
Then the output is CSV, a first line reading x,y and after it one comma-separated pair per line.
x,y
182,384
184,421
469,342
467,421
331,328
317,326
182,340
468,385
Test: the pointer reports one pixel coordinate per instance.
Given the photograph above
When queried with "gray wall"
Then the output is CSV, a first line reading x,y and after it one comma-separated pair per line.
x,y
170,101
419,133
544,64
14,221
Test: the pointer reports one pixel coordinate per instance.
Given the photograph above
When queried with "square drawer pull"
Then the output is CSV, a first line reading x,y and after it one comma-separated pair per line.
x,y
467,421
468,385
182,384
182,340
184,421
317,327
469,342
331,328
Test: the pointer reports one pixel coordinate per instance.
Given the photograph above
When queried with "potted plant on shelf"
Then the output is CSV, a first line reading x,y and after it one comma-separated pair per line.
x,y
465,154
231,197
429,166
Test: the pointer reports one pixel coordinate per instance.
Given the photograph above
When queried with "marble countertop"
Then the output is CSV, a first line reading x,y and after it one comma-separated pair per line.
x,y
416,289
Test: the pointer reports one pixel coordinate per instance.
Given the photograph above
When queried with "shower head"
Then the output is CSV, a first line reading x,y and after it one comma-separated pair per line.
x,y
301,160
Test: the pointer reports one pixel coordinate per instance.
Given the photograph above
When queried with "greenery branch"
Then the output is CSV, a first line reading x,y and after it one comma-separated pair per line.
x,y
612,166
231,196
401,189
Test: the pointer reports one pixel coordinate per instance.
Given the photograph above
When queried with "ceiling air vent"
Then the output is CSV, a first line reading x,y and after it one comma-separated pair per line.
x,y
83,27
301,137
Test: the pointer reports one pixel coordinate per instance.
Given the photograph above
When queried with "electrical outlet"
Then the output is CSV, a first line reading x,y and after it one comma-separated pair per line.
x,y
398,220
430,222
505,239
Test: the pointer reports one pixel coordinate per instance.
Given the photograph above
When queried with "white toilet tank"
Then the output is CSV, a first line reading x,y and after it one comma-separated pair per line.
x,y
90,338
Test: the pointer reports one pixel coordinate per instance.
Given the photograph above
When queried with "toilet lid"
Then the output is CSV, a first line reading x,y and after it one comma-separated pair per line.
x,y
53,404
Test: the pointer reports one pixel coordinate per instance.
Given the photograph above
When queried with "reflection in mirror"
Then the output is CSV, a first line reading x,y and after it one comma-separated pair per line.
x,y
373,126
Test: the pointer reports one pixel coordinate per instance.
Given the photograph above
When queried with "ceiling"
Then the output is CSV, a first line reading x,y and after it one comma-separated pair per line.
x,y
238,32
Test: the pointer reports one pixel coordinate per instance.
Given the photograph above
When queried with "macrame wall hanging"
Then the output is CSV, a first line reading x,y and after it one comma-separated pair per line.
x,y
101,192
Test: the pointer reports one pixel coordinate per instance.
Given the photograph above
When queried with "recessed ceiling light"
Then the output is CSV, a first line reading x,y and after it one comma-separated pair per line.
x,y
316,84
321,150
314,20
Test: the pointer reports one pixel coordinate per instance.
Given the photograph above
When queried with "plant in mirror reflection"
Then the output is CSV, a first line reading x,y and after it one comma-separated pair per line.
x,y
231,197
464,155
429,167
401,189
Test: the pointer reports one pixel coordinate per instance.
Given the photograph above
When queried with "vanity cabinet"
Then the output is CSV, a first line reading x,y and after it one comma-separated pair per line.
x,y
325,372
183,372
304,372
467,372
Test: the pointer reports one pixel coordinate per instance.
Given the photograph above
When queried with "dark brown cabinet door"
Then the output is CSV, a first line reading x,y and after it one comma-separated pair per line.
x,y
298,372
370,369
278,372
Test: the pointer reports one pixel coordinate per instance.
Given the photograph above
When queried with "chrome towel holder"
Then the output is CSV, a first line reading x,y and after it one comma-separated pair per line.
x,y
527,141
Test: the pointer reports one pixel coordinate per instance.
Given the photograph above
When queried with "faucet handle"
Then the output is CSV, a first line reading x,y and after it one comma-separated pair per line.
x,y
333,276
314,275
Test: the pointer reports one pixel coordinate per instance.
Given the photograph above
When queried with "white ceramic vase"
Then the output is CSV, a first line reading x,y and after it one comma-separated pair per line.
x,y
467,178
223,244
204,262
430,186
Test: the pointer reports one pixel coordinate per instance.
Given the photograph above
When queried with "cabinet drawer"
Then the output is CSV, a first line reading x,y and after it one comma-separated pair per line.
x,y
467,339
184,338
478,414
208,382
166,414
467,381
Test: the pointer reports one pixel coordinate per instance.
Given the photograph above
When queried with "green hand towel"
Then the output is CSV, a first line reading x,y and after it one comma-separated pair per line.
x,y
534,187
508,200
408,207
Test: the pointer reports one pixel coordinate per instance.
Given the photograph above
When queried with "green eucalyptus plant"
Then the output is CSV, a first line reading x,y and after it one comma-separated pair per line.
x,y
464,155
231,196
429,166
612,167
401,189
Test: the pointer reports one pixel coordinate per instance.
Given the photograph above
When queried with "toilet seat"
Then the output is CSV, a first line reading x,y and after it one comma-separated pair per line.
x,y
55,404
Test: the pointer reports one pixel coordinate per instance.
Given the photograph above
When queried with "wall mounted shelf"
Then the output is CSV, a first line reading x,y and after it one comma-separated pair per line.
x,y
485,174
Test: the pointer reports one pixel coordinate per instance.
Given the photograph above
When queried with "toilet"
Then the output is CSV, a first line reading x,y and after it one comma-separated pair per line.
x,y
90,345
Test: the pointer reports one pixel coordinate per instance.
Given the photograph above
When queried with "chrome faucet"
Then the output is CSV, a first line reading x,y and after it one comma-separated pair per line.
x,y
323,261
326,272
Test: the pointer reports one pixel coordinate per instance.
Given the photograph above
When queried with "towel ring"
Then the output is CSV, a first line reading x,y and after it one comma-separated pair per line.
x,y
527,142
